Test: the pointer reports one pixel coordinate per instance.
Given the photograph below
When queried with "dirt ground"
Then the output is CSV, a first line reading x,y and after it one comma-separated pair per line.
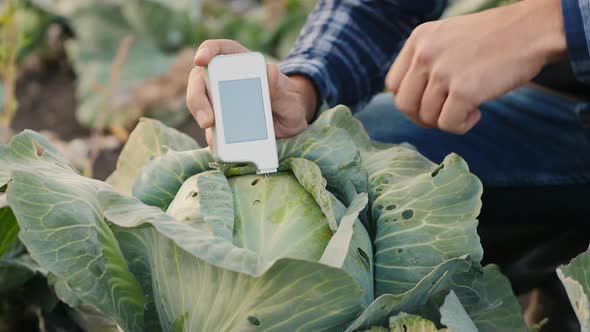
x,y
47,101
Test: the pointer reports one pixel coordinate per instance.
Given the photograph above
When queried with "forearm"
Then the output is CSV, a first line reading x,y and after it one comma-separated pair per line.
x,y
347,46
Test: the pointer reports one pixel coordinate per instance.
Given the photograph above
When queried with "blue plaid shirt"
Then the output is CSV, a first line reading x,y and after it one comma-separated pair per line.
x,y
347,46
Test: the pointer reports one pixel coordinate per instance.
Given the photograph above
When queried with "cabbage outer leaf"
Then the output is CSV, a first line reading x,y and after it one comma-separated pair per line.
x,y
205,201
8,232
411,301
310,177
488,299
159,181
576,280
149,139
243,293
276,217
30,151
64,231
16,267
424,215
332,150
453,315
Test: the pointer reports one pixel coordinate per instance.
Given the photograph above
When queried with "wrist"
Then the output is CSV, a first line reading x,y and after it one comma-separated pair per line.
x,y
547,19
309,95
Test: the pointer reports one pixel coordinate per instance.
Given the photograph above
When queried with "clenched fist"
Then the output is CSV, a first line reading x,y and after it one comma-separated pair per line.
x,y
447,68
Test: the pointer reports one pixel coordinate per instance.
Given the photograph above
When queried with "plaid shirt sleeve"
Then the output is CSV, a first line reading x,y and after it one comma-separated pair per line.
x,y
576,19
347,46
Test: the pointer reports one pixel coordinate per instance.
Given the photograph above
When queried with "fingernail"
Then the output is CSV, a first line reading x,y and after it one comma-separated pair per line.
x,y
202,118
201,52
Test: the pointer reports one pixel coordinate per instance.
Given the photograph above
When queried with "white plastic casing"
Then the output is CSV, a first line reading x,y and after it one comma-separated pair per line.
x,y
261,153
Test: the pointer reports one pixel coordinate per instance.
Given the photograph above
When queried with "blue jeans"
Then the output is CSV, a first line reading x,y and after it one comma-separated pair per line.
x,y
530,149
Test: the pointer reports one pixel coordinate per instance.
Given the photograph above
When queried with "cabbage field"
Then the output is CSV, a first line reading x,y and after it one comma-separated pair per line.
x,y
350,235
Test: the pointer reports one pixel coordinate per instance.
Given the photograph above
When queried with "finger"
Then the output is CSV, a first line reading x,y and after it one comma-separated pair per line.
x,y
197,99
208,136
399,68
410,93
431,104
473,118
212,47
457,116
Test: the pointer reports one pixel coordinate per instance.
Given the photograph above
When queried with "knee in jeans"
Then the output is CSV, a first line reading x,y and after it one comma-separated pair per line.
x,y
384,122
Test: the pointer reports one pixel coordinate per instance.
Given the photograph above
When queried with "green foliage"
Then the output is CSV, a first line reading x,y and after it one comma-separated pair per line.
x,y
117,47
204,246
149,140
453,315
462,7
16,267
576,280
111,60
120,46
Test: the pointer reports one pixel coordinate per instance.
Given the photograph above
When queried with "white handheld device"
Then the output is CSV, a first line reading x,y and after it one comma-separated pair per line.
x,y
243,130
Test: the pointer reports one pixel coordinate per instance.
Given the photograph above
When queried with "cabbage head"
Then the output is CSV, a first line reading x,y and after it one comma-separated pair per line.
x,y
349,235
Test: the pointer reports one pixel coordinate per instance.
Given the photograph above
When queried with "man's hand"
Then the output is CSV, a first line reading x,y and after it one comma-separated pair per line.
x,y
293,98
447,68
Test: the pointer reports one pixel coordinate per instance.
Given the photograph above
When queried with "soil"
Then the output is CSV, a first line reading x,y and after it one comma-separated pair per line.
x,y
46,91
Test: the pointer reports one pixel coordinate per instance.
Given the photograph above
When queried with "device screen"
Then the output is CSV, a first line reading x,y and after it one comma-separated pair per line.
x,y
242,110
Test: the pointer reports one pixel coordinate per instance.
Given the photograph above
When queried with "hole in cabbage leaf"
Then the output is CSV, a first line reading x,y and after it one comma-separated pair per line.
x,y
390,207
437,170
379,190
192,194
255,182
256,202
151,158
380,206
39,150
254,321
407,214
364,258
405,327
386,181
399,251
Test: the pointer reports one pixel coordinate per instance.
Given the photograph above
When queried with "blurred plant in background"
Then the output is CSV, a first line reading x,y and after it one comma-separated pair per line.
x,y
461,7
123,47
21,27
